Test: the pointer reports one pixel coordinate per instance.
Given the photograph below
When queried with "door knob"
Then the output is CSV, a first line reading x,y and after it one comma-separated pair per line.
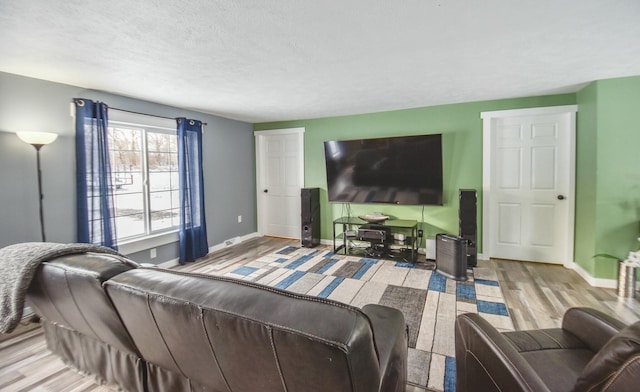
x,y
561,197
266,191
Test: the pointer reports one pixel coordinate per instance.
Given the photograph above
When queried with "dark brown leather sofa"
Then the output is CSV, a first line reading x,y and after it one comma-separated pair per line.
x,y
80,324
590,352
149,329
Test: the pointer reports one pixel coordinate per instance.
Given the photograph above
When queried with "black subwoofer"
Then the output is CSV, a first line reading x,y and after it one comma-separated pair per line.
x,y
310,212
468,223
451,256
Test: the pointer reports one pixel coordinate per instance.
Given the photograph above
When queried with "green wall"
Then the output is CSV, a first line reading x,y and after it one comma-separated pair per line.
x,y
608,214
461,127
586,182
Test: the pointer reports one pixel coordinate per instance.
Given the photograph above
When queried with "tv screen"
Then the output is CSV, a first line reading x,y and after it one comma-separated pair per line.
x,y
396,170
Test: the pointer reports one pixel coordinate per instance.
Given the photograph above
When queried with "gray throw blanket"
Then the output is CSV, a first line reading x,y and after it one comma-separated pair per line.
x,y
18,264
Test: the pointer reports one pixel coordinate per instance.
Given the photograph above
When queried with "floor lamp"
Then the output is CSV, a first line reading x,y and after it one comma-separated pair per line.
x,y
37,140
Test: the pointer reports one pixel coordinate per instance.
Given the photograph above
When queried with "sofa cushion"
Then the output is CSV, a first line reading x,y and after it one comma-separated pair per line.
x,y
80,323
543,339
68,291
621,351
558,368
227,334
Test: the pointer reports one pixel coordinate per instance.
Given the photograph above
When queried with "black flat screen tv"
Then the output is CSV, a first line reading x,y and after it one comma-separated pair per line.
x,y
395,170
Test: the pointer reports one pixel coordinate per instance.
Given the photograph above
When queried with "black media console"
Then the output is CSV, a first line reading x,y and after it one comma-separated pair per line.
x,y
390,239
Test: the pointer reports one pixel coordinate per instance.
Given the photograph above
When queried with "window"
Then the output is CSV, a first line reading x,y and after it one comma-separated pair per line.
x,y
144,164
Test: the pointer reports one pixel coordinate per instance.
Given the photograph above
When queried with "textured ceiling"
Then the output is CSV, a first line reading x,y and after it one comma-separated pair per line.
x,y
295,59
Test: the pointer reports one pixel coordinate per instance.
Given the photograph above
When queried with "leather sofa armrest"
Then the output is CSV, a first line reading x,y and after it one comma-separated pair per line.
x,y
487,361
591,326
391,339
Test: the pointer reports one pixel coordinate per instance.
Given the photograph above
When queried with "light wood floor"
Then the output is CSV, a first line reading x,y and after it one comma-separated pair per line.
x,y
537,296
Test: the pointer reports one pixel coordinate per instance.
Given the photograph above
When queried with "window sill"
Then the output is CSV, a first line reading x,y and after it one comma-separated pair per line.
x,y
152,241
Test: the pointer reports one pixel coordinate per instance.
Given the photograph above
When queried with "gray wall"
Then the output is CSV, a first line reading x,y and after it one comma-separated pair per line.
x,y
28,104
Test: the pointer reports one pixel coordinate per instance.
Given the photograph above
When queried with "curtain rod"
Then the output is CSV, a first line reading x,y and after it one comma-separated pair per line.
x,y
147,114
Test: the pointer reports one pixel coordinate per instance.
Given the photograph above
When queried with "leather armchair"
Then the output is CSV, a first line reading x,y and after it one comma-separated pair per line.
x,y
590,352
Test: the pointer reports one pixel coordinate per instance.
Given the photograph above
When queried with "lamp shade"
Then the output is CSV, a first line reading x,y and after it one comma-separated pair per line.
x,y
39,138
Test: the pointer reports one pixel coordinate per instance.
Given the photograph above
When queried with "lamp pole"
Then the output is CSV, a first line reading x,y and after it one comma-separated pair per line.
x,y
37,140
38,147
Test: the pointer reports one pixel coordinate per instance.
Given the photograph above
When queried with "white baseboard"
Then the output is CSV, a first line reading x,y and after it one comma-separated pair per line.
x,y
330,242
595,282
225,244
233,241
169,264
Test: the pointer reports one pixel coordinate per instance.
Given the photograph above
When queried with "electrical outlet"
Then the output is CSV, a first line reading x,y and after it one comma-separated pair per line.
x,y
153,253
239,218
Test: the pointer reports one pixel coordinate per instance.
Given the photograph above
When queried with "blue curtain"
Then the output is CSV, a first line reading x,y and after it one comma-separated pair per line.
x,y
95,204
193,228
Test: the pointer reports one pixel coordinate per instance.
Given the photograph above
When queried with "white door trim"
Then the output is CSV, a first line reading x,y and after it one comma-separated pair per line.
x,y
260,145
487,121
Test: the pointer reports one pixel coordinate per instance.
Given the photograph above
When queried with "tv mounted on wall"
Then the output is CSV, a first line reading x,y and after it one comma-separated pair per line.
x,y
396,170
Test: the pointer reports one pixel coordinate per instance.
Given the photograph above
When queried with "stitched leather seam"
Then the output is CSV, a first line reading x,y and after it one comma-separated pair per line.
x,y
552,338
210,345
70,330
606,378
351,371
605,321
591,388
53,303
275,357
73,297
262,287
561,347
244,317
617,373
153,317
108,347
479,330
373,335
603,380
530,335
122,324
464,344
348,357
484,368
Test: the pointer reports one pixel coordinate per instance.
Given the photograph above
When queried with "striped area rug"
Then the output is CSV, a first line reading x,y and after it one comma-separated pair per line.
x,y
429,301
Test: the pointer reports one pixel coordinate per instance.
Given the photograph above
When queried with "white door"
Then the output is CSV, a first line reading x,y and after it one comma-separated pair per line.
x,y
280,176
529,187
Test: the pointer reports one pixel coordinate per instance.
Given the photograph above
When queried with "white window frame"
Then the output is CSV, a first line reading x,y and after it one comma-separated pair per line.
x,y
154,124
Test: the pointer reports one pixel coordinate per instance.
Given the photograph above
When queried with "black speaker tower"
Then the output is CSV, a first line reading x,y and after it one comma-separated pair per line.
x,y
468,223
310,212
